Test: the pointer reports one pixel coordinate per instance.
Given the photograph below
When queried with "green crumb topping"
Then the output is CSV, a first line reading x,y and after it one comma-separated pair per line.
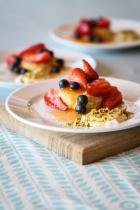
x,y
101,116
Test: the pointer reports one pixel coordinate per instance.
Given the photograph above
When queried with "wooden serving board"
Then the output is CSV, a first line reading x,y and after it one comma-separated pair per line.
x,y
81,148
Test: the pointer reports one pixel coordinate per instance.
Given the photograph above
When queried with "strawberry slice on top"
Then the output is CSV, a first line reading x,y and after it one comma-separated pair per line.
x,y
79,76
103,22
31,50
37,58
84,27
99,87
91,73
53,100
114,98
30,54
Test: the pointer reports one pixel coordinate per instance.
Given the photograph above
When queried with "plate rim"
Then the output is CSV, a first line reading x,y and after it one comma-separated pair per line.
x,y
117,46
67,129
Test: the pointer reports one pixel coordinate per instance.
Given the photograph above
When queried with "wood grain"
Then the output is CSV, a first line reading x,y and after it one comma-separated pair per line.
x,y
81,148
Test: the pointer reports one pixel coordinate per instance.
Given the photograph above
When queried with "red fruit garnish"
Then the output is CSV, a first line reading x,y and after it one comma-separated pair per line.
x,y
78,75
99,87
10,59
84,27
89,70
37,58
103,22
54,101
114,98
32,49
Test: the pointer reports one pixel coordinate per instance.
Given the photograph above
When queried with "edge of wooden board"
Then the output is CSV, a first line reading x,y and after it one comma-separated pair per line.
x,y
86,149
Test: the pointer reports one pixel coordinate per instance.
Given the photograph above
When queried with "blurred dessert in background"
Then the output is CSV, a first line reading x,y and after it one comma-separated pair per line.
x,y
36,62
99,31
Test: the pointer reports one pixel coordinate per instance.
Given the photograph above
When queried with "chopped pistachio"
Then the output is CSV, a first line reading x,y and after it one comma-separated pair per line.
x,y
98,117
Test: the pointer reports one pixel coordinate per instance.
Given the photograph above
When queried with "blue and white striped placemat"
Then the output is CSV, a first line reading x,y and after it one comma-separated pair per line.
x,y
33,178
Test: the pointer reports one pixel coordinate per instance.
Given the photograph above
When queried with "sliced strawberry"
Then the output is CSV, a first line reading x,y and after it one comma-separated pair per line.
x,y
114,98
84,27
54,101
37,58
99,87
103,22
32,49
10,59
78,75
89,70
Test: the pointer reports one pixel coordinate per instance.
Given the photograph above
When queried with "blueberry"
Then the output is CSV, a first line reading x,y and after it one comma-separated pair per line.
x,y
22,70
15,64
63,83
82,99
97,39
74,85
60,62
17,61
55,69
76,34
91,37
93,22
80,109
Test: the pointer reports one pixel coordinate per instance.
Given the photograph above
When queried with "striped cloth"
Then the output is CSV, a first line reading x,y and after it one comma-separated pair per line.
x,y
33,178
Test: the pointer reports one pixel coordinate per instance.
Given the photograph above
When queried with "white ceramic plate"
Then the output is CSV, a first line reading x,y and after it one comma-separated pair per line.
x,y
39,116
72,58
58,34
